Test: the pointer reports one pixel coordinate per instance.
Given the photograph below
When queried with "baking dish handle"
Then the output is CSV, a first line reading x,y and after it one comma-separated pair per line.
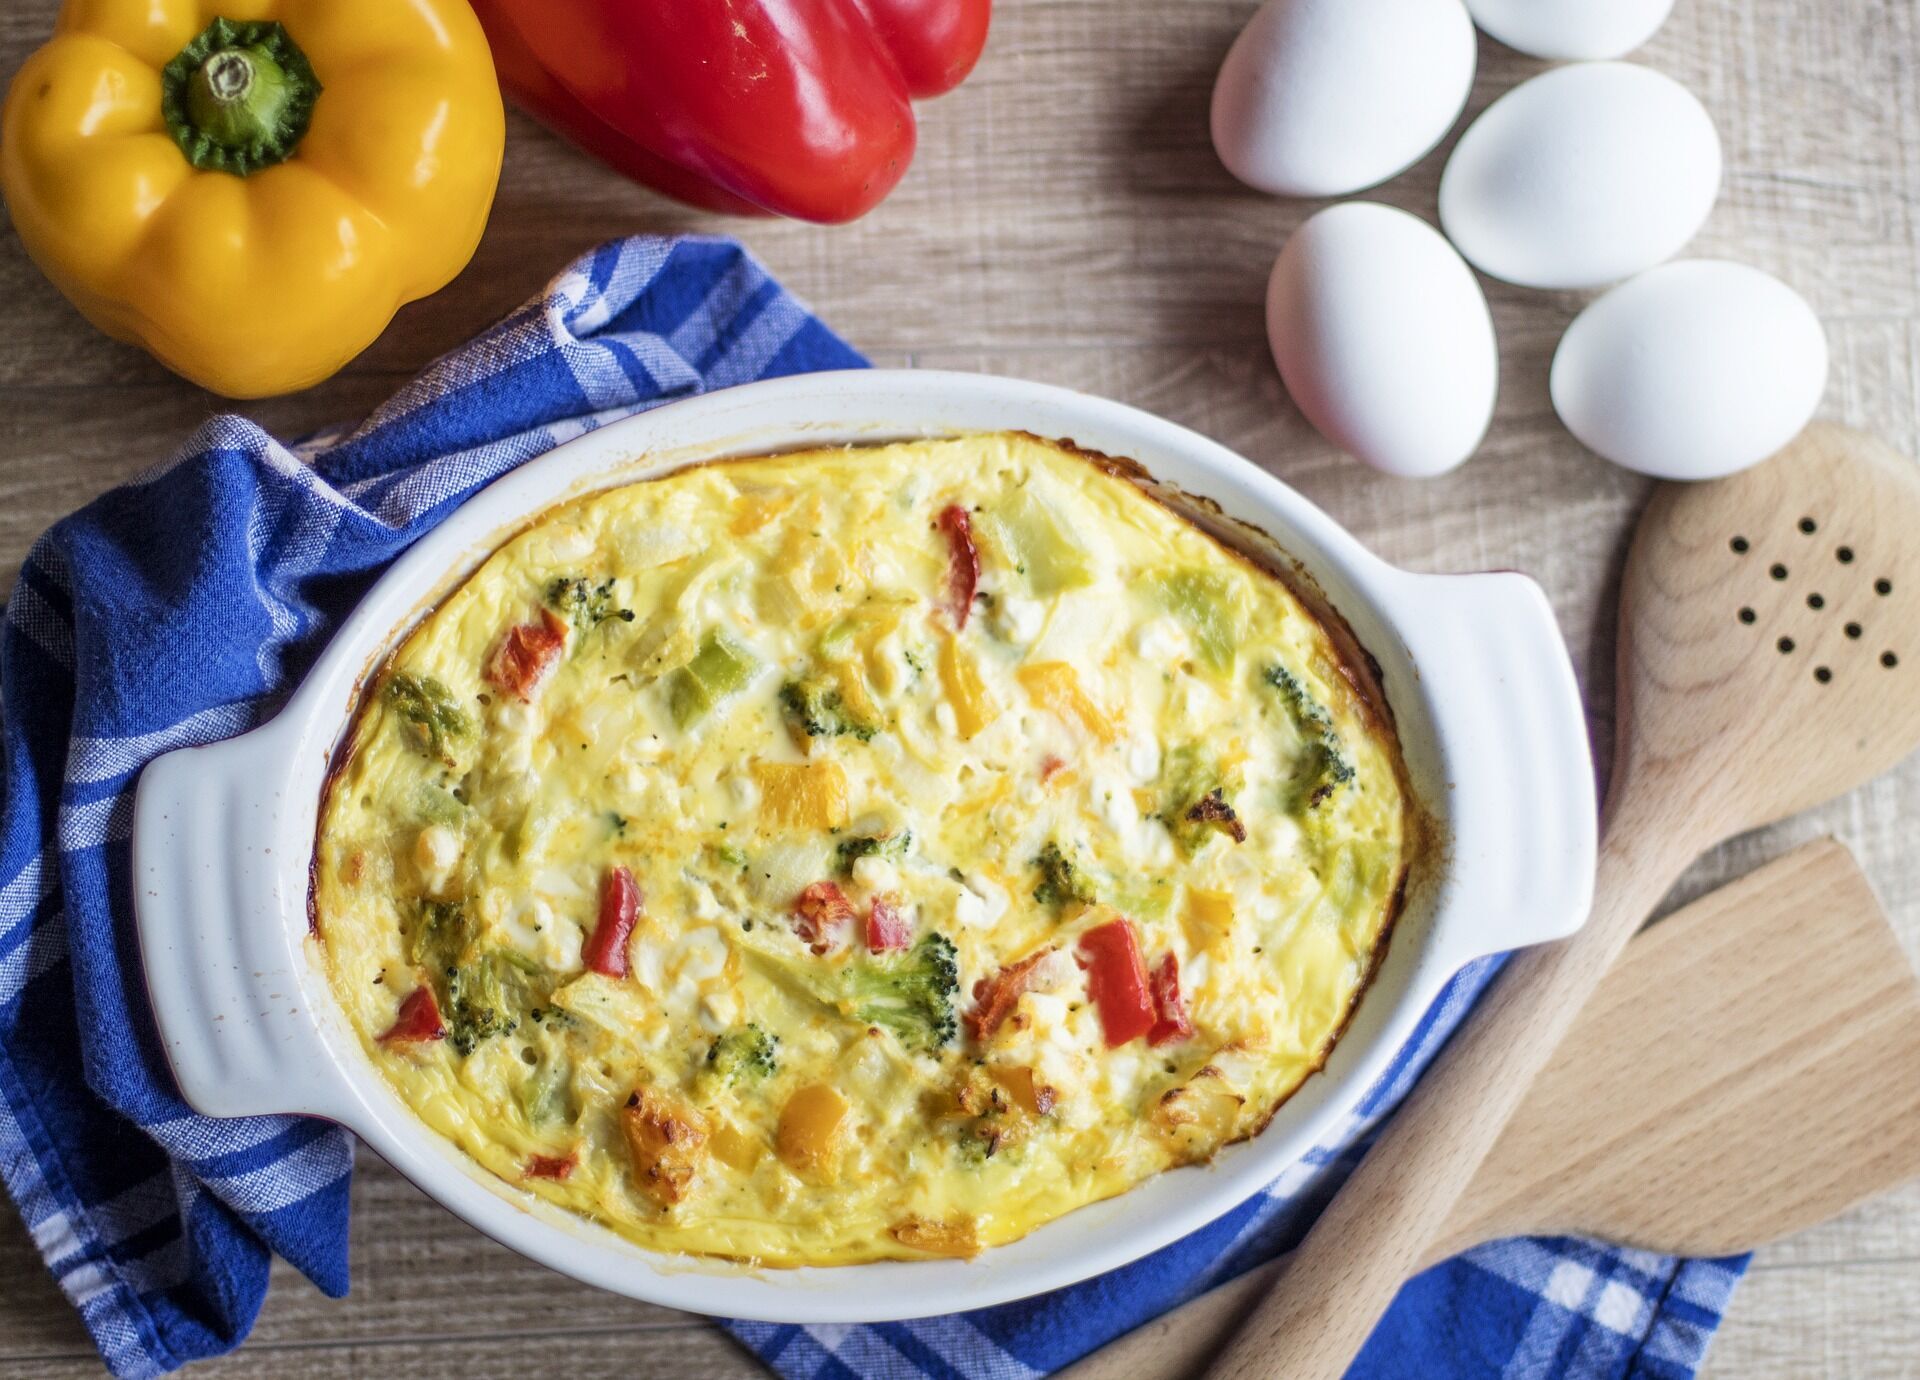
x,y
1515,766
220,905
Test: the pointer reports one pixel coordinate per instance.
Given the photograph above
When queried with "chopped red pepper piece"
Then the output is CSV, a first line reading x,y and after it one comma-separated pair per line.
x,y
548,1166
418,1019
963,570
1171,1021
820,914
527,655
1117,981
994,998
606,949
886,926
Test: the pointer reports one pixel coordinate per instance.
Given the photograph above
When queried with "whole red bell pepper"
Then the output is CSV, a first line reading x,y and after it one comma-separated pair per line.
x,y
801,108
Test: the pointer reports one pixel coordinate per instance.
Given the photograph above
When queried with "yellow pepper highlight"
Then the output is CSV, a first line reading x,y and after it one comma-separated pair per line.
x,y
250,190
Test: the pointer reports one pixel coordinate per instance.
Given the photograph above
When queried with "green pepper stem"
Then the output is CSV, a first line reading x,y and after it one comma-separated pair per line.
x,y
238,98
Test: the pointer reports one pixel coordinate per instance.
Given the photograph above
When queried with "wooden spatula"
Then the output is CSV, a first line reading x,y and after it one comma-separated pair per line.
x,y
1768,653
1751,1067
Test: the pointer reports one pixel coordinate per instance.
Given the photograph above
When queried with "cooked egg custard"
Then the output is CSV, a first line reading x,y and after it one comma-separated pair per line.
x,y
860,853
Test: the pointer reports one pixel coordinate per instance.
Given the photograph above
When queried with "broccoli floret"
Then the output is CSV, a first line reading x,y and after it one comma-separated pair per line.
x,y
543,1097
889,846
817,710
483,1000
1324,766
583,603
1060,880
744,1054
911,994
482,994
440,936
430,718
1196,798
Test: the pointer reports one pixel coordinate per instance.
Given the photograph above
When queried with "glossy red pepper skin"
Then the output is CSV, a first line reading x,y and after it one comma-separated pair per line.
x,y
1117,982
963,563
417,1021
886,926
605,951
1171,1021
800,108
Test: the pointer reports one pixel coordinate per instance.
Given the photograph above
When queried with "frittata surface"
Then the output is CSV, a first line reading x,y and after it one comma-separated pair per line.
x,y
859,853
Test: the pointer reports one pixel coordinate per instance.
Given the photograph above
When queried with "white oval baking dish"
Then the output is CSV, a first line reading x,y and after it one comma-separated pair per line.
x,y
1474,668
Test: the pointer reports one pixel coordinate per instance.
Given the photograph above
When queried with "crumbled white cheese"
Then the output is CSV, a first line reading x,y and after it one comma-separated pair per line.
x,y
643,747
969,909
531,926
1048,1012
743,790
646,961
1160,641
1283,837
1017,619
719,1011
703,953
560,884
993,896
705,905
1112,802
943,716
511,716
1143,757
435,851
876,874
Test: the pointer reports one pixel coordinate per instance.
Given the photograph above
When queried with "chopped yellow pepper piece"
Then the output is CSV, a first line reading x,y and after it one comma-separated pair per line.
x,y
808,1136
973,704
735,1148
803,795
1055,685
1207,919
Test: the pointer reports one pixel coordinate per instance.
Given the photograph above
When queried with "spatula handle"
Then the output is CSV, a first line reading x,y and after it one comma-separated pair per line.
x,y
1374,1235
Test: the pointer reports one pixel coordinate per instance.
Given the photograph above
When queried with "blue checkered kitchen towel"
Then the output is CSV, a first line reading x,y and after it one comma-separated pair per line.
x,y
182,607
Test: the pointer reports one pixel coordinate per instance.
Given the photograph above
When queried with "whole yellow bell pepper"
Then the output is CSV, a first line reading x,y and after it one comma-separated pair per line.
x,y
251,189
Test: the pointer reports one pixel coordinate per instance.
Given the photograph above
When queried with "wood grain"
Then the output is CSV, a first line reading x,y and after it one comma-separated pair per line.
x,y
1066,221
1751,1067
1725,636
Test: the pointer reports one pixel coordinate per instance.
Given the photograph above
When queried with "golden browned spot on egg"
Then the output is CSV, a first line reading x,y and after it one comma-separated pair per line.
x,y
666,1139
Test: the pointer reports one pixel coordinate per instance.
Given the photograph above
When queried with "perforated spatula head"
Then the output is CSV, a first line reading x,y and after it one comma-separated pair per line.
x,y
1771,632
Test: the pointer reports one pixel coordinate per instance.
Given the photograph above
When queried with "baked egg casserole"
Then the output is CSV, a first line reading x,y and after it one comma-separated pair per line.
x,y
861,853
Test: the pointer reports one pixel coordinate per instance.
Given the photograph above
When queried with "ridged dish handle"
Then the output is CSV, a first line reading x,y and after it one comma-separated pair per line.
x,y
1516,765
221,929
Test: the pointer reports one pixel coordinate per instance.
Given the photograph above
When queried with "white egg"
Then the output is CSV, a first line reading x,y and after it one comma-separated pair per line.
x,y
1571,29
1383,338
1581,177
1691,370
1324,97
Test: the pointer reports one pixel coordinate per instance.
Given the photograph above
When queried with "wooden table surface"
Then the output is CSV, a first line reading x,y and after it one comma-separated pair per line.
x,y
1066,221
